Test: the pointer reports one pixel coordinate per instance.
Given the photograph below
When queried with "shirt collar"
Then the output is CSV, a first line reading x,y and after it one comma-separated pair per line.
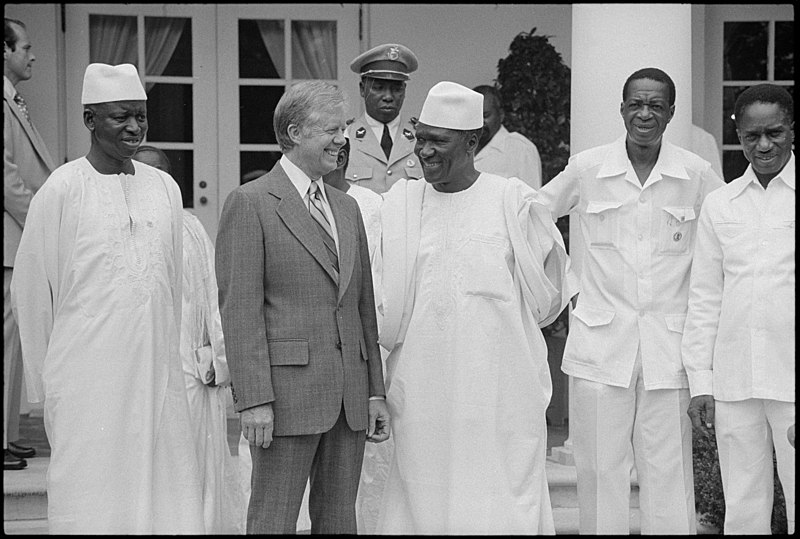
x,y
373,123
300,179
8,88
786,175
668,164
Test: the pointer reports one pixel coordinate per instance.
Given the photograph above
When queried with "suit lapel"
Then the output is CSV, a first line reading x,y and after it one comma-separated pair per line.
x,y
298,220
348,234
33,134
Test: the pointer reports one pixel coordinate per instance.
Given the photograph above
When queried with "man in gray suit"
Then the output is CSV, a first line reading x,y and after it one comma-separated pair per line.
x,y
26,165
298,314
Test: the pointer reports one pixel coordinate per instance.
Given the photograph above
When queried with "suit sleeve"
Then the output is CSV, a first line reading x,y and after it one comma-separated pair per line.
x,y
16,196
240,261
366,309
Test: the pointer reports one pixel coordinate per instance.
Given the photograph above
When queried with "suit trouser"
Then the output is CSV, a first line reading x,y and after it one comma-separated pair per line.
x,y
12,366
746,432
613,429
332,460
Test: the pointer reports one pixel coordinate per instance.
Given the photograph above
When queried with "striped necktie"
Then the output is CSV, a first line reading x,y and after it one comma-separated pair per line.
x,y
323,225
22,106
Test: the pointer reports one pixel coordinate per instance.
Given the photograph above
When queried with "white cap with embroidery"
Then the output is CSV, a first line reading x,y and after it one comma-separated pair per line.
x,y
103,83
452,106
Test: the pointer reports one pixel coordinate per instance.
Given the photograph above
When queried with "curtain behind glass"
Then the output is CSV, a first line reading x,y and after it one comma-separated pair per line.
x,y
313,50
272,35
112,39
163,35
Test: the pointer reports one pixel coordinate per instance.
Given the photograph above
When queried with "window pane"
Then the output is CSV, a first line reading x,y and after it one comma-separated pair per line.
x,y
261,49
256,164
734,163
182,165
256,107
745,56
729,95
168,46
112,39
784,50
314,49
169,113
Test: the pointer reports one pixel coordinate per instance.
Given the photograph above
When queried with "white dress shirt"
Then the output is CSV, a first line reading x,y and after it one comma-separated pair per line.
x,y
511,155
634,279
739,339
302,182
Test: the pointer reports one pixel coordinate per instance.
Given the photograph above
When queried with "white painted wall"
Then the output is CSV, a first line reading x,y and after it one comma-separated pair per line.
x,y
463,42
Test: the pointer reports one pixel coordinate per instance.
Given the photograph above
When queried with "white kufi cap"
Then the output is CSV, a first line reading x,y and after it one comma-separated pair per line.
x,y
103,83
452,106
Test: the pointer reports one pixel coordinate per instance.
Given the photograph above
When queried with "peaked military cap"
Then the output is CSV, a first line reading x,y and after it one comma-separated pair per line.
x,y
388,61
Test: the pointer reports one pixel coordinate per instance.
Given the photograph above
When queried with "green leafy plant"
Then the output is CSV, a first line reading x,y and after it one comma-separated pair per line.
x,y
708,494
534,86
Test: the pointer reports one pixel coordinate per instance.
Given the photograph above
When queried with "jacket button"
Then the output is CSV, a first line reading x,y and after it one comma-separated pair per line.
x,y
338,345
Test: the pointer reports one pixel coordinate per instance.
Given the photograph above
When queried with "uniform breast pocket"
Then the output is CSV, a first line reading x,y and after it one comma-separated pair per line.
x,y
676,229
357,174
485,268
602,222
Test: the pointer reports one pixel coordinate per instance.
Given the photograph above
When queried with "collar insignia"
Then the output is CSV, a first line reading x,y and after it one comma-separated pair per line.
x,y
408,134
361,132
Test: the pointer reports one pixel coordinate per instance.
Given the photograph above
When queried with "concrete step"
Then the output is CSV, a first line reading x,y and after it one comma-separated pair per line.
x,y
24,491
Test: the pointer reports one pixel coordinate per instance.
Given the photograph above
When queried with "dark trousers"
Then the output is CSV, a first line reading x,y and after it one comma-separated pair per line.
x,y
332,461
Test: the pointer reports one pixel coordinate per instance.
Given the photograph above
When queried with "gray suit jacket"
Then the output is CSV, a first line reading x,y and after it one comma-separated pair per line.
x,y
293,336
26,165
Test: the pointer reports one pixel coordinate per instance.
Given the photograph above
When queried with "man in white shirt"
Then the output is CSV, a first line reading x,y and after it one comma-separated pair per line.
x,y
739,339
382,139
636,200
503,153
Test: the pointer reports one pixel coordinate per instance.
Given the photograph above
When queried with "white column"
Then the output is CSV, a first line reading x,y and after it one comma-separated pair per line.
x,y
609,42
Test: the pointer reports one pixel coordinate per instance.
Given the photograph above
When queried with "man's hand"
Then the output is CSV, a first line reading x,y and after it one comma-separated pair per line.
x,y
701,411
378,430
257,423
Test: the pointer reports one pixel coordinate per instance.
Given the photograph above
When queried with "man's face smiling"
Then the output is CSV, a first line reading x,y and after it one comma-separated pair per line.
x,y
767,134
646,111
119,127
17,64
383,99
319,142
444,155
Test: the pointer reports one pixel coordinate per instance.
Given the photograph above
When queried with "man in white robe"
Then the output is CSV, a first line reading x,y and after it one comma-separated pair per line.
x,y
473,267
97,293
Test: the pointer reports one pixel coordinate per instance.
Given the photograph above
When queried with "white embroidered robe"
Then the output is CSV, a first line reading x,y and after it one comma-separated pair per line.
x,y
466,288
97,293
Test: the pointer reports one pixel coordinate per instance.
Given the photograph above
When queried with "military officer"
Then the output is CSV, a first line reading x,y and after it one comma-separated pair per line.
x,y
382,139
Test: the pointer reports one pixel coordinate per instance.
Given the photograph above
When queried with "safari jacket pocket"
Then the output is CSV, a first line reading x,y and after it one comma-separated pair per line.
x,y
593,317
677,226
602,222
288,352
675,322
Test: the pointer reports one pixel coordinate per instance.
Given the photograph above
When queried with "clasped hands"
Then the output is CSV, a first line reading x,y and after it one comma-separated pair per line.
x,y
257,423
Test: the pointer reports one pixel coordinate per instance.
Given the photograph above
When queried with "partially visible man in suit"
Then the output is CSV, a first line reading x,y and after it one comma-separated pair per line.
x,y
381,139
26,165
298,315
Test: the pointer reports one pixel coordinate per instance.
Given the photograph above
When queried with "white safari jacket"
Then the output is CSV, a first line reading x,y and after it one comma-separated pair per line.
x,y
634,277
